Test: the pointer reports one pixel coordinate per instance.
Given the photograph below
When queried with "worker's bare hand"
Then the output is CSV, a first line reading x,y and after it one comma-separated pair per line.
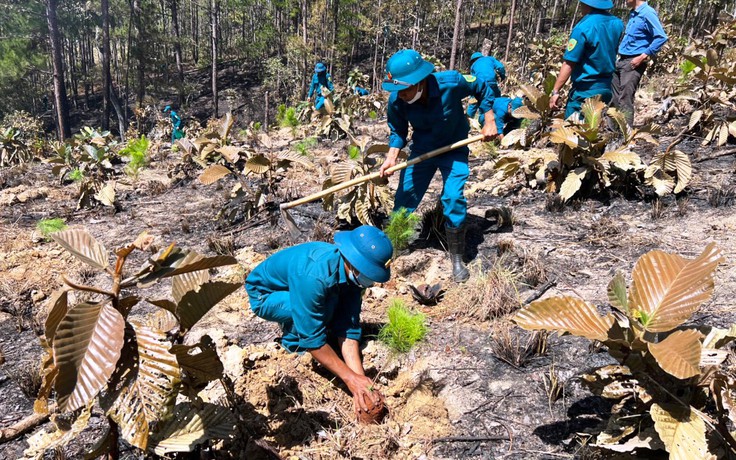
x,y
553,101
364,395
489,132
388,163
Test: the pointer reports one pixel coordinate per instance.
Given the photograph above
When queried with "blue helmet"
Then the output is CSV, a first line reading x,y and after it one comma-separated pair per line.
x,y
320,67
167,108
404,69
475,56
367,249
598,4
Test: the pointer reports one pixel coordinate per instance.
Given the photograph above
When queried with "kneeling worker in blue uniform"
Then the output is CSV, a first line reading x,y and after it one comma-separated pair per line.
x,y
433,104
503,109
590,58
314,291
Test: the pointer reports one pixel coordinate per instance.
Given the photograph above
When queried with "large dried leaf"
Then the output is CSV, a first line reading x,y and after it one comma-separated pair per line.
x,y
531,92
148,387
48,374
679,353
86,349
525,112
342,172
225,124
507,166
719,338
84,246
230,153
295,157
195,304
203,366
677,162
667,288
106,195
724,393
592,111
622,159
514,137
662,182
189,427
564,135
377,148
681,430
694,119
572,182
723,135
213,173
565,314
181,284
257,164
617,293
177,263
43,440
59,307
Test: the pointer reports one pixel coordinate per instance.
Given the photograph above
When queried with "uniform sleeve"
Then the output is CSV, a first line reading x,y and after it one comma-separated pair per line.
x,y
307,298
397,124
473,86
575,47
659,36
346,319
500,70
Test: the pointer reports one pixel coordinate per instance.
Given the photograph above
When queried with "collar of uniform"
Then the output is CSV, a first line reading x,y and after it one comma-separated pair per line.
x,y
639,9
342,276
433,88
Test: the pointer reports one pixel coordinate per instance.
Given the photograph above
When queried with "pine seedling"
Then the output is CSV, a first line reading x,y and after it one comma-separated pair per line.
x,y
48,226
404,328
401,229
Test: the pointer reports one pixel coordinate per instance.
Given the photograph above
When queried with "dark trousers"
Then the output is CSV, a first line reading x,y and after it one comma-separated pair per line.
x,y
625,83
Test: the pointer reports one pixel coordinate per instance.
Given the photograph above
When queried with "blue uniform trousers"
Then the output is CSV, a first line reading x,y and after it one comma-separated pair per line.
x,y
416,178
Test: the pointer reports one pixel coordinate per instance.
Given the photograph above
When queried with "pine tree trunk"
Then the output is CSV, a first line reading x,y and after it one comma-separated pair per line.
x,y
177,48
60,99
214,58
456,33
511,30
106,83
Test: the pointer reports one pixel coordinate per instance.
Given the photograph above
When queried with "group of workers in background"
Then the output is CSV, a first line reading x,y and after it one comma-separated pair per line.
x,y
314,290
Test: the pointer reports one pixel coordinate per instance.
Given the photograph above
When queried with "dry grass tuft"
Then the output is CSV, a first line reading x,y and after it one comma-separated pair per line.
x,y
553,386
222,245
720,196
657,210
515,346
27,376
487,294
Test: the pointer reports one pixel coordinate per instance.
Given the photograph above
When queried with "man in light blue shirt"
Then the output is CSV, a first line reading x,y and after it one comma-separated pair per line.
x,y
590,58
643,38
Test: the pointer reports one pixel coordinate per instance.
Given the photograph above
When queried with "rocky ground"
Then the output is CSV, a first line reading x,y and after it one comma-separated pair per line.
x,y
461,393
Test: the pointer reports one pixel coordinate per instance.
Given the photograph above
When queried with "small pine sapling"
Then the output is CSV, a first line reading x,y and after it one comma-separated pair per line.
x,y
48,226
404,328
401,229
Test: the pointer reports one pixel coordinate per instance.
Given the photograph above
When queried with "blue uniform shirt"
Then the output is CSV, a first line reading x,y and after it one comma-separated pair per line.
x,y
502,112
644,33
488,69
321,298
442,121
592,47
318,81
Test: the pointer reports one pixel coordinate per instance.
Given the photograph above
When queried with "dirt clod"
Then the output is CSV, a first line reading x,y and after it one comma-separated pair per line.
x,y
375,414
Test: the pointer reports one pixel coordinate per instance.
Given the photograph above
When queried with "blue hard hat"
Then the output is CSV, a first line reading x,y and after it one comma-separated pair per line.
x,y
319,68
475,56
404,69
598,4
516,103
167,108
367,249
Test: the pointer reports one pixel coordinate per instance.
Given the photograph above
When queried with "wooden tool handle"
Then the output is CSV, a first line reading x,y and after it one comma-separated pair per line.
x,y
366,178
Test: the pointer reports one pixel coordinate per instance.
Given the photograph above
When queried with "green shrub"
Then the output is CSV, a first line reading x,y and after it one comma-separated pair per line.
x,y
372,115
286,116
48,226
404,328
76,175
402,228
304,146
137,151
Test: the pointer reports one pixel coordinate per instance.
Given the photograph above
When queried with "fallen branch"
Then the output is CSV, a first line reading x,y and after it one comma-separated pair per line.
x,y
25,425
470,439
719,155
539,292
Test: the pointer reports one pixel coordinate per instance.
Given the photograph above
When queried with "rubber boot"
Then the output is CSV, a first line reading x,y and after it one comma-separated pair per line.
x,y
456,246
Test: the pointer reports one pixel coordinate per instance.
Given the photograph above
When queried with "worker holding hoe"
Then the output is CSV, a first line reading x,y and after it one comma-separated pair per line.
x,y
314,291
590,58
433,104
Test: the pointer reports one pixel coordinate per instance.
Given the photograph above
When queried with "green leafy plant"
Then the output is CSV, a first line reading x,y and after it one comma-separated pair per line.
x,y
404,328
366,198
536,109
402,228
304,146
676,385
48,226
92,153
75,175
137,152
286,117
144,379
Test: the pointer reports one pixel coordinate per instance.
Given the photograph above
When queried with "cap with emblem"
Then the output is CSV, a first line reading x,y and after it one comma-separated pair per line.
x,y
404,69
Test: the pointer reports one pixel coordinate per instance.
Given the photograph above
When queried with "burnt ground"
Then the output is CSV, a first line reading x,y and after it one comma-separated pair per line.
x,y
452,397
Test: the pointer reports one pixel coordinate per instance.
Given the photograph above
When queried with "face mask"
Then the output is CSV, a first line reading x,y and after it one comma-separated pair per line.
x,y
361,280
416,96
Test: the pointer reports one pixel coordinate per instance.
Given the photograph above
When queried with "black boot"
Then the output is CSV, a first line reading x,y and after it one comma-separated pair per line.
x,y
456,246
